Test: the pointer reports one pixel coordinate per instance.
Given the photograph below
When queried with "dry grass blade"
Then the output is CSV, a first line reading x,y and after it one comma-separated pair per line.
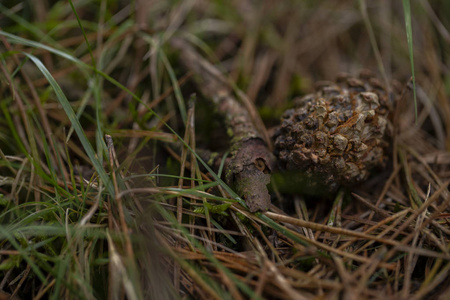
x,y
363,236
144,212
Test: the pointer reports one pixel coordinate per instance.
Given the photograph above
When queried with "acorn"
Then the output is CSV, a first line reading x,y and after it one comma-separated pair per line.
x,y
336,135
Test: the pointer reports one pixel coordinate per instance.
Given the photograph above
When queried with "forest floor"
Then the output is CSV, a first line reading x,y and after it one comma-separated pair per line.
x,y
104,131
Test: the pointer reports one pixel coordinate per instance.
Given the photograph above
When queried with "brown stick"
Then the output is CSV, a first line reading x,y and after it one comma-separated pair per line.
x,y
251,161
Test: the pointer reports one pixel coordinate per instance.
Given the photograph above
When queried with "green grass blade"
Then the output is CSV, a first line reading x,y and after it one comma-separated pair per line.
x,y
21,41
84,32
407,11
176,88
75,123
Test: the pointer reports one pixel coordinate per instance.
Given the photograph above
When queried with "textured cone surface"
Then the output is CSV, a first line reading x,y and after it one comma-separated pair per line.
x,y
337,134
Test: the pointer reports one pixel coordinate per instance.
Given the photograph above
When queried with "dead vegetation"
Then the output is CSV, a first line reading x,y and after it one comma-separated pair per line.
x,y
139,215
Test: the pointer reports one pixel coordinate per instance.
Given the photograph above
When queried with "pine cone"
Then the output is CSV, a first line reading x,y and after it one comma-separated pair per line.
x,y
338,134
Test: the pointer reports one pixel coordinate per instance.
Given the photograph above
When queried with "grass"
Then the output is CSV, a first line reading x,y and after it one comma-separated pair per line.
x,y
103,190
407,11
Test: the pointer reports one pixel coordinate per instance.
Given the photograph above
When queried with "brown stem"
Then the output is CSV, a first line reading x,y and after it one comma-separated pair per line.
x,y
251,161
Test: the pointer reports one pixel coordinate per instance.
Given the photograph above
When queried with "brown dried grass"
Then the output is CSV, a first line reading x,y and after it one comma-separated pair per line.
x,y
388,238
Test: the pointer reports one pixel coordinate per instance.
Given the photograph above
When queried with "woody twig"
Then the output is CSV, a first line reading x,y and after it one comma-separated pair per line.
x,y
248,171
